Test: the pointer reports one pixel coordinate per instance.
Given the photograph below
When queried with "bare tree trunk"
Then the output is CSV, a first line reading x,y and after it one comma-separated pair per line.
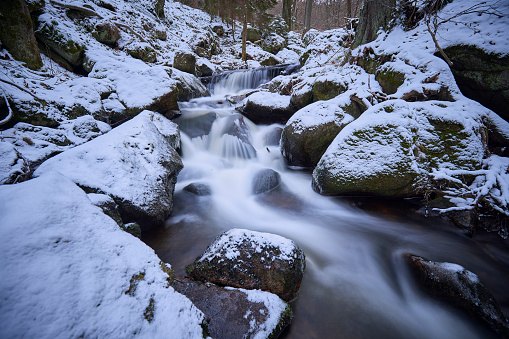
x,y
244,38
348,8
307,17
287,13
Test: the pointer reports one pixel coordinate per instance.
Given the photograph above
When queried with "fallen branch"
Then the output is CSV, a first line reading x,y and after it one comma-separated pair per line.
x,y
24,90
10,115
77,8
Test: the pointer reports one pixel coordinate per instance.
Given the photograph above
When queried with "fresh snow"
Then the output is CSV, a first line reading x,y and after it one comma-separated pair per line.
x,y
67,270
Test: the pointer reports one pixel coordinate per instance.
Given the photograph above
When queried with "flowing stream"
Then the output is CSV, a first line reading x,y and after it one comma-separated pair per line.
x,y
356,284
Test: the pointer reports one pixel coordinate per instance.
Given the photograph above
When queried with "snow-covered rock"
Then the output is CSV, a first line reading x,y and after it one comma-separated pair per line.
x,y
237,313
310,131
252,260
12,164
459,287
266,108
135,163
69,271
393,146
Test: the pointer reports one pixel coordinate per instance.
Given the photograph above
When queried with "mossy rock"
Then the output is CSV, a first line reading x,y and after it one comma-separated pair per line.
x,y
17,33
253,34
390,80
269,61
304,57
146,53
185,62
218,29
61,44
37,119
324,89
35,5
302,96
106,33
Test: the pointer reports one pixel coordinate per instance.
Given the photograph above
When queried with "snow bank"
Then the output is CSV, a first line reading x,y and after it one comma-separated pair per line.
x,y
69,271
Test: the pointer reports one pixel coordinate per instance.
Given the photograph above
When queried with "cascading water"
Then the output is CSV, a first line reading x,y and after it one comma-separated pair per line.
x,y
356,284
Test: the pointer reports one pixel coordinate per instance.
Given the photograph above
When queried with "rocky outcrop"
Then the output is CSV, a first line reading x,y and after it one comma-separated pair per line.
x,y
252,260
237,313
140,171
266,108
456,286
393,146
481,76
17,33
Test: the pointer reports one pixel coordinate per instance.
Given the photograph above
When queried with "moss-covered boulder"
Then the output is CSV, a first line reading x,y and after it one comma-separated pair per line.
x,y
269,61
324,89
266,108
235,313
51,35
17,33
185,62
253,34
143,52
482,76
311,130
252,260
453,284
106,33
301,96
389,80
390,149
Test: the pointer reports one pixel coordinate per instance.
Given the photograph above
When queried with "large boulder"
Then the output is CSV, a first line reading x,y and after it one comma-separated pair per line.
x,y
311,130
456,286
196,125
266,108
252,260
17,33
67,268
185,62
482,76
106,33
237,313
135,163
392,147
188,86
265,180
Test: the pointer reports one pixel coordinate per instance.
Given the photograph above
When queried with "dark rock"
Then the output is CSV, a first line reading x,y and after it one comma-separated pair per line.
x,y
252,260
482,76
61,44
198,189
188,85
106,33
266,108
185,62
197,125
325,89
203,70
133,229
231,313
269,61
108,206
272,138
17,33
460,288
146,53
389,80
443,94
265,180
253,34
35,5
218,29
301,96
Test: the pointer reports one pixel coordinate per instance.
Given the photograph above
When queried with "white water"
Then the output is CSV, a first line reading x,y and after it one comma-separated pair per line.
x,y
355,284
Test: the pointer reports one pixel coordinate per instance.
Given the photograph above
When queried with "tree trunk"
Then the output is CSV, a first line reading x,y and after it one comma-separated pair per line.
x,y
244,38
307,17
348,8
375,14
287,13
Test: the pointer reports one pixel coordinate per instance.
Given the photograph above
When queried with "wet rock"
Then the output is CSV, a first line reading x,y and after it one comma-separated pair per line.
x,y
266,108
185,62
310,131
273,137
265,180
237,313
17,33
203,70
198,189
196,125
252,260
139,152
106,33
456,286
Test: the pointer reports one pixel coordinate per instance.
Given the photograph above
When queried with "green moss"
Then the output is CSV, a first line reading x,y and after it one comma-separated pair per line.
x,y
304,57
325,90
147,54
169,271
61,44
284,320
390,80
133,283
149,311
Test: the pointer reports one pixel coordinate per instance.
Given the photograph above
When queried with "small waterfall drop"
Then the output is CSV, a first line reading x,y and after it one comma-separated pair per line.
x,y
355,284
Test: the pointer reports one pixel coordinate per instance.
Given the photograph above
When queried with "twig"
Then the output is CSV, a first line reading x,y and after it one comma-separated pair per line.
x,y
10,115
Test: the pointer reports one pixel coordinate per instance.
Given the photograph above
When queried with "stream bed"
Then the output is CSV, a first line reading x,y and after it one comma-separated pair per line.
x,y
356,284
